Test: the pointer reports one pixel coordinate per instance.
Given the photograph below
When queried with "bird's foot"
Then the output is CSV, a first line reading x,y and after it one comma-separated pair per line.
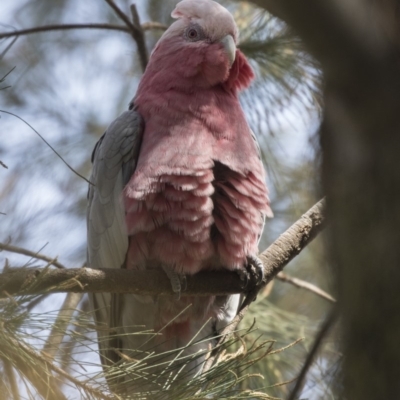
x,y
256,268
253,274
178,281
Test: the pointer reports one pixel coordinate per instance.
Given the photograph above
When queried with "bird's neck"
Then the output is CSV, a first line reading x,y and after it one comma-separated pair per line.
x,y
190,68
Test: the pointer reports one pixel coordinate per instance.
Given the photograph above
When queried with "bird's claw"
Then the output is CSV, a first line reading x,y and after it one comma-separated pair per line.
x,y
256,267
253,277
178,281
244,276
253,274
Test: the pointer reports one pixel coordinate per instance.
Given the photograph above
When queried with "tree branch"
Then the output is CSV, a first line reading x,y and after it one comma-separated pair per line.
x,y
135,30
293,240
138,35
325,327
29,253
46,28
275,258
305,285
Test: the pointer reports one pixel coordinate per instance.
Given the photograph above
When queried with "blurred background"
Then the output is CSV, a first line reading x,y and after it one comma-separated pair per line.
x,y
69,85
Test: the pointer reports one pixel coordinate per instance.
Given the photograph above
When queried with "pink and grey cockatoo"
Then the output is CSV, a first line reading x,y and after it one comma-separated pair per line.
x,y
178,184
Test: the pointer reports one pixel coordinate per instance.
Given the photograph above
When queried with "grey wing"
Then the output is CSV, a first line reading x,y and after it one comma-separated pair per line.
x,y
114,160
270,213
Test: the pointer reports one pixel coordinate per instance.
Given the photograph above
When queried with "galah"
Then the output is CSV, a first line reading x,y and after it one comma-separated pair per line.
x,y
178,184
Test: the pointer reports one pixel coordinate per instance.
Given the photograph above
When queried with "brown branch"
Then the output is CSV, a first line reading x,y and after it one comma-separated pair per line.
x,y
275,258
325,328
293,240
135,30
3,165
121,15
64,27
46,28
149,26
138,35
86,280
29,253
305,285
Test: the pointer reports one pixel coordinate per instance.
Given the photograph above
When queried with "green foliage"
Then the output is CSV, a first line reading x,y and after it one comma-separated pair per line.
x,y
24,332
286,73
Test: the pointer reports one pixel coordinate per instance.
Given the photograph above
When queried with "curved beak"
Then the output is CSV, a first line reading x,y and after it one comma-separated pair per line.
x,y
230,47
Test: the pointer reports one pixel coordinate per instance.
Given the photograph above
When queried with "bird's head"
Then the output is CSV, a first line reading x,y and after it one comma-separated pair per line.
x,y
199,49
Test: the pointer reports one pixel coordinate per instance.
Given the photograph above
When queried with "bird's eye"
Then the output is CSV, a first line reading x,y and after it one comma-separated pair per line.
x,y
194,33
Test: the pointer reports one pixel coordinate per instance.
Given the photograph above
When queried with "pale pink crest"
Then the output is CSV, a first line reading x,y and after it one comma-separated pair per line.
x,y
215,19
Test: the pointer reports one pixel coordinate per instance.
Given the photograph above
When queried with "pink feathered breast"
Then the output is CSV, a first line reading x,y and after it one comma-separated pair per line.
x,y
198,194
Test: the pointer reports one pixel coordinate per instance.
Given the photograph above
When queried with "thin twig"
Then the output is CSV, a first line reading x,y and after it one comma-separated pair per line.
x,y
330,320
121,15
48,144
63,27
111,27
29,253
139,37
8,73
151,25
5,51
135,29
305,285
